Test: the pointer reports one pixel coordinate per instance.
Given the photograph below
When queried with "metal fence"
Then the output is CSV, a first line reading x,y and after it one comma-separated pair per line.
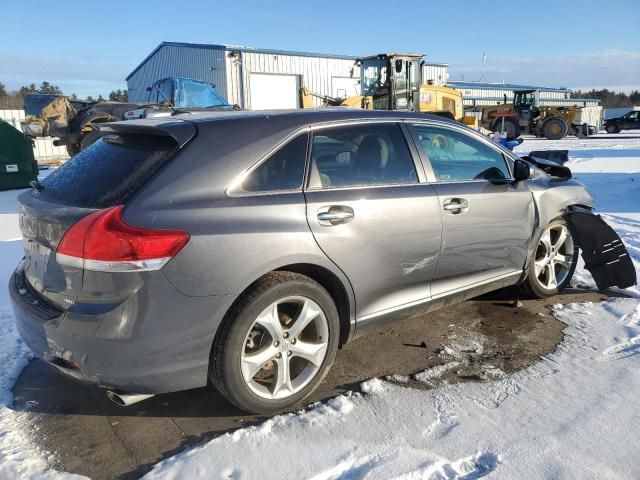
x,y
43,148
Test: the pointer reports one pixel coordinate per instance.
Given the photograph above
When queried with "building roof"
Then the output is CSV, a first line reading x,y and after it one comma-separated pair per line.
x,y
237,48
241,48
502,86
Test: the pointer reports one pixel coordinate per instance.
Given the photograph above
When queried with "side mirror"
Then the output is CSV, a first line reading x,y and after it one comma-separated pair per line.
x,y
521,170
398,66
148,89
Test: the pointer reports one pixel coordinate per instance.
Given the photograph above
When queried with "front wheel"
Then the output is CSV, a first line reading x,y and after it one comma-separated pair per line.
x,y
553,262
612,128
277,343
509,126
555,128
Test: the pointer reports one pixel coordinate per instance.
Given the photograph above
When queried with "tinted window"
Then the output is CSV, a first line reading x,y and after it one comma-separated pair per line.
x,y
283,170
109,171
456,156
361,155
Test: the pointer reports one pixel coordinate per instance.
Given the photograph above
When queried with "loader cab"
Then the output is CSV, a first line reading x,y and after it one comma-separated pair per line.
x,y
527,105
526,99
391,79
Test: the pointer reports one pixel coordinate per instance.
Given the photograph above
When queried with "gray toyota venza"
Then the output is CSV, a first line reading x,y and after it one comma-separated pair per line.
x,y
244,248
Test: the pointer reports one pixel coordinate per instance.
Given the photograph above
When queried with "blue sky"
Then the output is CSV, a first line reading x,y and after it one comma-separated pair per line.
x,y
89,47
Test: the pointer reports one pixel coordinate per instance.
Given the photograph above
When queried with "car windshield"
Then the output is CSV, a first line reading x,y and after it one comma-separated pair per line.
x,y
194,94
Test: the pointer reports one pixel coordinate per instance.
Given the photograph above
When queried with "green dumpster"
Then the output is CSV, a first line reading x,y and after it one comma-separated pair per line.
x,y
17,165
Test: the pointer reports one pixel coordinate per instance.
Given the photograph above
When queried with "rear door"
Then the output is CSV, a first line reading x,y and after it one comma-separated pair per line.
x,y
488,219
372,215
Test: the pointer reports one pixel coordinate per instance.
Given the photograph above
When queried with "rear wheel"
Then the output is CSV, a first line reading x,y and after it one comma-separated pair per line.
x,y
612,128
277,344
510,127
553,262
555,128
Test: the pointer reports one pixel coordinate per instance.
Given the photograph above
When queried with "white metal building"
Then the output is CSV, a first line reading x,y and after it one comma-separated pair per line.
x,y
437,73
479,93
255,79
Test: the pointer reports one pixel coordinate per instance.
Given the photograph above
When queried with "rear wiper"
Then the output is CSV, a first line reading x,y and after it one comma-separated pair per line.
x,y
36,185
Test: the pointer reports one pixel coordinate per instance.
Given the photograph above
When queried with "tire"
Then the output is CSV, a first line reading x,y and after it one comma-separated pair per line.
x,y
613,128
511,127
538,282
555,128
246,343
89,139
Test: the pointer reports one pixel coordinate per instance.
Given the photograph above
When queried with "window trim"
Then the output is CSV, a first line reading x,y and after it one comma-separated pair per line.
x,y
232,189
413,153
507,156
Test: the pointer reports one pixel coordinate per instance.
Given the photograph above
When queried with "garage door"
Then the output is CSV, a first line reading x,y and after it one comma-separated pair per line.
x,y
273,91
342,87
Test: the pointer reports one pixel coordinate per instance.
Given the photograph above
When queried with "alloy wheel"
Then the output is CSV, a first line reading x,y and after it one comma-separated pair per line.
x,y
554,257
285,347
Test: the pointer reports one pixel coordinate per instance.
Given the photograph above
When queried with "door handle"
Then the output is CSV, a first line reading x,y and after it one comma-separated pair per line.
x,y
335,215
455,205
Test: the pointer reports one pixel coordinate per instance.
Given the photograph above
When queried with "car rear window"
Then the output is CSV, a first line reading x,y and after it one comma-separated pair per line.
x,y
109,172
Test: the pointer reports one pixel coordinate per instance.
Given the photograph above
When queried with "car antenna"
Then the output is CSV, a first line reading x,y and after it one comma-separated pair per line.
x,y
175,110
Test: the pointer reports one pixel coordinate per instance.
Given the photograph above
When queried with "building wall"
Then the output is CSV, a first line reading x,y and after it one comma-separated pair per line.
x,y
43,148
200,63
439,73
315,73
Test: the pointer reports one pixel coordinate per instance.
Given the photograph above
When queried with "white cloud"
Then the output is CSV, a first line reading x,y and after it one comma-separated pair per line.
x,y
613,69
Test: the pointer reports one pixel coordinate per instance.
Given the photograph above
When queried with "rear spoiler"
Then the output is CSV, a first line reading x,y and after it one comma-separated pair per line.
x,y
180,130
549,167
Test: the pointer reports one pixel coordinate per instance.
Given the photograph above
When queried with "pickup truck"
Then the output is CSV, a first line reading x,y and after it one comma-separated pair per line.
x,y
74,122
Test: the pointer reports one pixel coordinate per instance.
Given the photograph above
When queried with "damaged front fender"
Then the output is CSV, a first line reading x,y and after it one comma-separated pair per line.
x,y
604,254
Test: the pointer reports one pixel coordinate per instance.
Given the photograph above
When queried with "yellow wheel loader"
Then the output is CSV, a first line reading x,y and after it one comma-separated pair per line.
x,y
392,82
525,115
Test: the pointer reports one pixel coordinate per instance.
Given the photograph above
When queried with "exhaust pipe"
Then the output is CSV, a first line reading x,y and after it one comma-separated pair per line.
x,y
126,399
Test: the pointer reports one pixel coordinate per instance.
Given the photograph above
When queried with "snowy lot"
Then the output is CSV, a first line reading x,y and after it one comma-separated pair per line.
x,y
571,415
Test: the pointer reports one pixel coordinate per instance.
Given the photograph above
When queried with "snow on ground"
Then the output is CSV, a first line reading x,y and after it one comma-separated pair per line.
x,y
572,415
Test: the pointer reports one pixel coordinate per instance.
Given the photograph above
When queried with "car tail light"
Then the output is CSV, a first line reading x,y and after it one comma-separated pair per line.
x,y
103,242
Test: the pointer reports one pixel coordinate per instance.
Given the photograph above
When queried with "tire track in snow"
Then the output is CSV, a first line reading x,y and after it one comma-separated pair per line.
x,y
467,468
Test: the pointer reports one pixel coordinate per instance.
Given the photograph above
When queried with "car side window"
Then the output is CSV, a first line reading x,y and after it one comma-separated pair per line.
x,y
282,171
457,157
361,155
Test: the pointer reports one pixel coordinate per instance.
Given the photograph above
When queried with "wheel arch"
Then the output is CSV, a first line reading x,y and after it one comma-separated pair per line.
x,y
342,298
338,288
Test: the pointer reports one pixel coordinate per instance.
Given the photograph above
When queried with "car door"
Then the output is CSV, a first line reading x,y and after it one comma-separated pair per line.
x,y
372,214
488,219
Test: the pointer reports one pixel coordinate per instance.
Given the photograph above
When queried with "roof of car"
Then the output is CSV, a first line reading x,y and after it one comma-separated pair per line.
x,y
303,116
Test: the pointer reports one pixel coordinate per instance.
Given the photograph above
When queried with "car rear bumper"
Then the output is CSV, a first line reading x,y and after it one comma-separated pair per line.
x,y
135,347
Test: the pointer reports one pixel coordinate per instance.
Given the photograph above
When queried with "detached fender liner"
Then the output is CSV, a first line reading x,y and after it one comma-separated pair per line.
x,y
604,254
